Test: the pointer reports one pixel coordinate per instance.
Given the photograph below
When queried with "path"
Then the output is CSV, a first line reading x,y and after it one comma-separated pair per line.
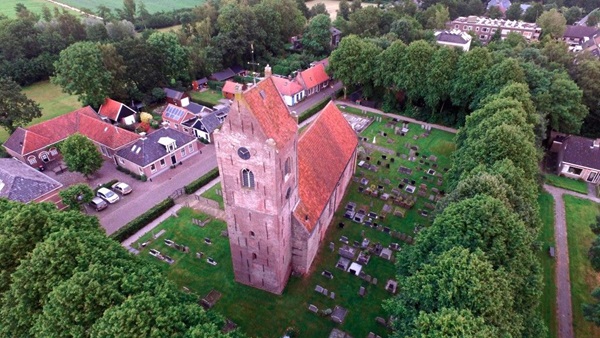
x,y
564,306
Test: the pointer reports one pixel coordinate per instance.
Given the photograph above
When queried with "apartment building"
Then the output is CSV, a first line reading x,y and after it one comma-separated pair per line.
x,y
485,28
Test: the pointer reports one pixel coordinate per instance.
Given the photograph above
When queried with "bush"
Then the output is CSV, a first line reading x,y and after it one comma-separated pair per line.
x,y
216,85
144,219
202,181
107,185
142,178
313,110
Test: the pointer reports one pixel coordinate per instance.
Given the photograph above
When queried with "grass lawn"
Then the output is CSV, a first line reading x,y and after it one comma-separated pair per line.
x,y
546,237
208,96
580,214
151,5
567,183
7,7
213,195
52,101
259,313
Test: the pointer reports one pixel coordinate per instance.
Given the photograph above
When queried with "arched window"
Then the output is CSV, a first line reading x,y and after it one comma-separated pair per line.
x,y
247,179
253,256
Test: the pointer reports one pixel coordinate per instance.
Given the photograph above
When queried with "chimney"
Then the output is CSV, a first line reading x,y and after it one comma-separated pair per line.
x,y
268,71
238,91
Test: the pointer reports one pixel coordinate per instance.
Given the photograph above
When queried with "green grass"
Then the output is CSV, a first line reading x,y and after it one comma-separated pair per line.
x,y
262,314
567,183
546,237
212,194
7,7
151,5
209,96
580,214
52,101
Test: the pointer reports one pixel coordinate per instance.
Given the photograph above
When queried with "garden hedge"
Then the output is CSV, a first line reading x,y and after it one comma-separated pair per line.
x,y
141,221
202,181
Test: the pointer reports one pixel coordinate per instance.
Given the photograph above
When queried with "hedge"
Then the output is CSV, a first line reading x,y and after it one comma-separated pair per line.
x,y
106,185
142,177
202,181
141,221
313,110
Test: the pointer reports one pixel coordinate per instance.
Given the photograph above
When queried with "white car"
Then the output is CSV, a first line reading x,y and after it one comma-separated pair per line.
x,y
108,195
122,188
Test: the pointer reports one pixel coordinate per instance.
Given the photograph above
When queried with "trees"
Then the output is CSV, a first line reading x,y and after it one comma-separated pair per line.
x,y
495,13
15,108
591,312
533,12
76,195
352,62
552,23
344,9
470,75
81,154
452,323
176,56
316,37
514,11
564,108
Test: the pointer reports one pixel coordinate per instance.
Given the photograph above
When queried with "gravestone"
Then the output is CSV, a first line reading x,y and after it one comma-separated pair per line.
x,y
313,308
332,246
362,291
327,274
332,295
374,281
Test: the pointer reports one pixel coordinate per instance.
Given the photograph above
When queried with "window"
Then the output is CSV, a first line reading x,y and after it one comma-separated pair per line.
x,y
247,178
153,167
31,159
253,256
191,148
592,176
44,156
175,125
186,130
53,151
483,37
484,29
456,26
182,151
465,27
252,234
287,168
162,162
493,30
477,29
573,170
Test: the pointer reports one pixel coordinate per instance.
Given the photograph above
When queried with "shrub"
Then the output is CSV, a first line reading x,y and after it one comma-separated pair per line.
x,y
142,178
202,181
145,117
313,110
141,221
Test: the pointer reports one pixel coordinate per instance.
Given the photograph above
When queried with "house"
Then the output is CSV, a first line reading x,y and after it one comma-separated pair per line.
x,y
174,117
577,157
177,98
501,4
281,187
578,35
454,38
222,75
229,89
336,37
485,28
203,127
291,91
198,109
199,84
36,145
592,46
313,79
117,112
156,152
22,183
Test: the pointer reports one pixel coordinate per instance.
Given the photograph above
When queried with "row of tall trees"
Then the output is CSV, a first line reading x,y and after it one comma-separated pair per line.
x,y
474,272
61,276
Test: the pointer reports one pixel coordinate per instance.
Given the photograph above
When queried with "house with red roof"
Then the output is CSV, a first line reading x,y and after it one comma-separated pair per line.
x,y
281,187
117,112
36,145
228,89
313,79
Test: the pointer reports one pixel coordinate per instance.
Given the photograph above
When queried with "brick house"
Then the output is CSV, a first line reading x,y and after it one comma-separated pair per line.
x,y
485,28
291,91
313,79
117,112
174,117
280,187
157,152
36,145
578,157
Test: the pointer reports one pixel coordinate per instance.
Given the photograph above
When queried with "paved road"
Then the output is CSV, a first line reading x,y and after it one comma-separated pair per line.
x,y
564,307
312,100
130,207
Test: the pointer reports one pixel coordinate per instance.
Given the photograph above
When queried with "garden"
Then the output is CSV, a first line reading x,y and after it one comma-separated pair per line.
x,y
193,249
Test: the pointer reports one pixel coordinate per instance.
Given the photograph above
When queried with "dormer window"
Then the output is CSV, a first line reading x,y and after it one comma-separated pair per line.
x,y
169,144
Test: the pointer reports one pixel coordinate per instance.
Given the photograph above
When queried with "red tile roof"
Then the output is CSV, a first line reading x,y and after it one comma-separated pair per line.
x,y
287,87
270,111
229,87
84,121
324,150
110,108
313,76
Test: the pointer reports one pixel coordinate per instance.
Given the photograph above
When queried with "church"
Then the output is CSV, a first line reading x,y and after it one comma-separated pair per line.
x,y
281,186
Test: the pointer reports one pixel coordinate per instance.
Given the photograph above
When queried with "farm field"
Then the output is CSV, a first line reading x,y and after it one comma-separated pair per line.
x,y
52,101
580,214
7,7
262,314
332,6
546,237
151,5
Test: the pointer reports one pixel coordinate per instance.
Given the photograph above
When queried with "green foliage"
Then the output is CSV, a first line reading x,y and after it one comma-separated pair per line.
x,y
514,11
107,185
141,221
81,154
596,226
316,37
553,23
452,323
313,110
591,312
594,254
17,110
75,195
202,181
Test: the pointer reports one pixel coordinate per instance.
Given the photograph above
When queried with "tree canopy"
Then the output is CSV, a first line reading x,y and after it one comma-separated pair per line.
x,y
81,154
15,108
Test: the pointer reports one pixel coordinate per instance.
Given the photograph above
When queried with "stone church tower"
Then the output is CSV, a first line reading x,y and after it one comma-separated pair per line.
x,y
256,154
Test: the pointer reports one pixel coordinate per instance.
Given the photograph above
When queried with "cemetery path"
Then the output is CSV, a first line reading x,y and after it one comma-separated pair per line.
x,y
564,306
405,118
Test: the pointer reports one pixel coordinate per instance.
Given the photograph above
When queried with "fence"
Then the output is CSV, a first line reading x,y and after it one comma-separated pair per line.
x,y
177,193
208,202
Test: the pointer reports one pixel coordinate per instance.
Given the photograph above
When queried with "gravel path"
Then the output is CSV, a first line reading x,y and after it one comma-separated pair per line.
x,y
564,306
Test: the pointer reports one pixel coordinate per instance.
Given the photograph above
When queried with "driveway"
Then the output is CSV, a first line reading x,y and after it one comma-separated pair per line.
x,y
145,195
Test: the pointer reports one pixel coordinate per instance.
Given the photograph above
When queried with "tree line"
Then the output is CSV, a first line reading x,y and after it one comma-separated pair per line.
x,y
61,276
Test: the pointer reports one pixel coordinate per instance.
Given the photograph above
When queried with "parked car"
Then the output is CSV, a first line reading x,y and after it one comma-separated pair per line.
x,y
122,188
108,195
98,204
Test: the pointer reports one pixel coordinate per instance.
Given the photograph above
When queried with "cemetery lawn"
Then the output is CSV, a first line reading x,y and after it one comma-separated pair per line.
x,y
567,183
546,237
52,101
580,214
212,194
259,313
208,96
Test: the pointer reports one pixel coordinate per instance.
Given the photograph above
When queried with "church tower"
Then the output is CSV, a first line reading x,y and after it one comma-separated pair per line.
x,y
257,157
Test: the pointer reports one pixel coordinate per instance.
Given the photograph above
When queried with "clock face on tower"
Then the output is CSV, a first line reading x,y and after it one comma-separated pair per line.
x,y
243,153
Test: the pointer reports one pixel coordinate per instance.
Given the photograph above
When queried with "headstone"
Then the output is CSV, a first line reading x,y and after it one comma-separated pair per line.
x,y
313,308
362,291
332,295
374,281
332,246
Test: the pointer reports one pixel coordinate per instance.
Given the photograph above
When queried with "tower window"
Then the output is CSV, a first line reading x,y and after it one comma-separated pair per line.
x,y
247,179
253,256
287,169
252,234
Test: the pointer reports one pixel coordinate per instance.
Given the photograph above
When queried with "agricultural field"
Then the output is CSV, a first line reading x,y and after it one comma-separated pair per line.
x,y
546,238
151,5
262,314
580,214
7,7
